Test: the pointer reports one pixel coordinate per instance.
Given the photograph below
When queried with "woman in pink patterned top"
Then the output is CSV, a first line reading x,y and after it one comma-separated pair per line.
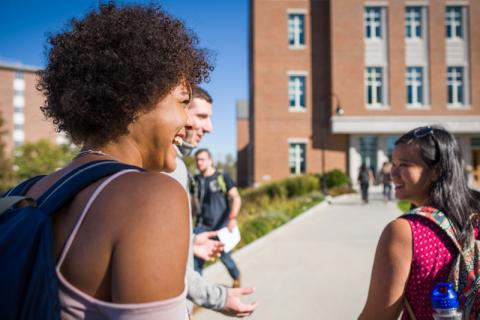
x,y
413,253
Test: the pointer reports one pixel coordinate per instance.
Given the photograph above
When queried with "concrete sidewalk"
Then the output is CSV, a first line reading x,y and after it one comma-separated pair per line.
x,y
315,267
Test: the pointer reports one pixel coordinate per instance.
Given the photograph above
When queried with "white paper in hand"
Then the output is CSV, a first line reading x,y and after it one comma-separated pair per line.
x,y
229,239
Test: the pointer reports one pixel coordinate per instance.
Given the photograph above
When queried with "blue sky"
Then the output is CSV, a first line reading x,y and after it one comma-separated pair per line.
x,y
221,26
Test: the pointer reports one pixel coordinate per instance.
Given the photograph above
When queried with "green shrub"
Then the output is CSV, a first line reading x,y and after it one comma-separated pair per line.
x,y
276,190
301,185
336,178
336,191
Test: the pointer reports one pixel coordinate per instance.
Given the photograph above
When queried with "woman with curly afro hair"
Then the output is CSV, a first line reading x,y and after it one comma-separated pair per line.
x,y
118,82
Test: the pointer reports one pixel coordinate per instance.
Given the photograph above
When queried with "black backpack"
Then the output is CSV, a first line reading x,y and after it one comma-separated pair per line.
x,y
28,282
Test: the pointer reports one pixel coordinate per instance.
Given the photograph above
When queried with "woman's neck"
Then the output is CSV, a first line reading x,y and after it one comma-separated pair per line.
x,y
123,150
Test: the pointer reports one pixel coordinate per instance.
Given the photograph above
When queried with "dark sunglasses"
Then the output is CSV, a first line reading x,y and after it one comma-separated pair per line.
x,y
422,132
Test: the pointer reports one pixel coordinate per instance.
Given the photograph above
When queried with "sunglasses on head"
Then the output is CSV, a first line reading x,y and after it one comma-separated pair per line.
x,y
422,132
427,131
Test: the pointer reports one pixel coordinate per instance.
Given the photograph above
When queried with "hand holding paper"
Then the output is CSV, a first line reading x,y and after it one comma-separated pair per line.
x,y
229,239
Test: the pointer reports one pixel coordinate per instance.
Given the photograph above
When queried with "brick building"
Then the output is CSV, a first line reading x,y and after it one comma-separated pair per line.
x,y
334,83
20,107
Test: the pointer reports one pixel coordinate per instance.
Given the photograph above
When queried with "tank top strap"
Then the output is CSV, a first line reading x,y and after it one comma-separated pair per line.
x,y
82,216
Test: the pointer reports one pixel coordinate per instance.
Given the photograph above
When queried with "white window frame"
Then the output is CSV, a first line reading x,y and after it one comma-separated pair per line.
x,y
415,83
382,104
298,158
449,22
298,107
372,25
413,23
297,45
455,104
19,74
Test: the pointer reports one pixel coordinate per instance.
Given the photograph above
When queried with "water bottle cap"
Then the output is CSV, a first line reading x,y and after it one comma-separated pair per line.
x,y
444,297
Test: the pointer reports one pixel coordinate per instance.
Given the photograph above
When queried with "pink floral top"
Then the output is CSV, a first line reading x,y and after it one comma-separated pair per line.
x,y
433,253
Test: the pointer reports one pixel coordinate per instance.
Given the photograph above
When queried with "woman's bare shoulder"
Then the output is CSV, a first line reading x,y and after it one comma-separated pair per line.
x,y
152,237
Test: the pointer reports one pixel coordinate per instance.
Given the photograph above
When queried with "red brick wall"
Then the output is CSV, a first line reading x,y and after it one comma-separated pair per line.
x,y
36,126
348,58
6,107
274,124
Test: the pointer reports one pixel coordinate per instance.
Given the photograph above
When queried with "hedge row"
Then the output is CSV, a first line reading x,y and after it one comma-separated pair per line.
x,y
269,206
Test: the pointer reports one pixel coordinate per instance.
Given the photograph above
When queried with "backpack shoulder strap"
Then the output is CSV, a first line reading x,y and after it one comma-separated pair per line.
x,y
15,195
69,185
221,181
23,187
440,219
11,201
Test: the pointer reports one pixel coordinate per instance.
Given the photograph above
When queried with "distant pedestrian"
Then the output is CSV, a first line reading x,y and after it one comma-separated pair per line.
x,y
364,178
219,203
386,178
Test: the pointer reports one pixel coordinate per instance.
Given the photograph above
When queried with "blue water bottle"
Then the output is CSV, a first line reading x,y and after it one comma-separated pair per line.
x,y
445,302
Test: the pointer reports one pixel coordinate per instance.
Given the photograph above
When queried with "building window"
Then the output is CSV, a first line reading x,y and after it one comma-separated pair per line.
x,y
454,22
296,92
456,86
296,157
18,109
374,85
415,86
296,30
413,22
19,75
373,22
18,93
18,126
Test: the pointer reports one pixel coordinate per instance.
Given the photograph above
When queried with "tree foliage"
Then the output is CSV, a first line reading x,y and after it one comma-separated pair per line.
x,y
41,157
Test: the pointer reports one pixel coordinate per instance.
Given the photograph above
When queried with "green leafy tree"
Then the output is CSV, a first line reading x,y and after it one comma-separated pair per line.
x,y
41,157
7,177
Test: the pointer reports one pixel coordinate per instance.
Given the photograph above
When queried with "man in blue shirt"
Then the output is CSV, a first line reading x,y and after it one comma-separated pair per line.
x,y
218,203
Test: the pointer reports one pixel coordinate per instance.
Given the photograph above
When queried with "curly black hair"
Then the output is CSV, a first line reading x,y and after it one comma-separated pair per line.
x,y
113,64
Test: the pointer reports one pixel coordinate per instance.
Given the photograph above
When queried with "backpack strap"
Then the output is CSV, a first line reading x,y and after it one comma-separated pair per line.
x,y
440,219
15,195
221,181
465,271
76,180
23,187
409,308
11,201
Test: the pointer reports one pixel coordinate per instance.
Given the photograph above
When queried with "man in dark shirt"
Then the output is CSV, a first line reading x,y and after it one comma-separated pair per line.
x,y
218,206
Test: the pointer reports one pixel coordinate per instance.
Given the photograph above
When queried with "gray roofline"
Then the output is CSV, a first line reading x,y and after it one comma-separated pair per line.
x,y
18,66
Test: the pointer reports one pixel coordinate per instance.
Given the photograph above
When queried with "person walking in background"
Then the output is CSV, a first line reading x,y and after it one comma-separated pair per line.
x,y
386,178
200,291
364,178
414,252
219,203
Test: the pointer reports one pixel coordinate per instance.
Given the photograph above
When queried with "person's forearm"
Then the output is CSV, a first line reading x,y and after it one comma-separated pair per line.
x,y
235,204
205,294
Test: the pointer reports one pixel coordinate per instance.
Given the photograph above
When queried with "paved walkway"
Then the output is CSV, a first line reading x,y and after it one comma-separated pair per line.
x,y
317,266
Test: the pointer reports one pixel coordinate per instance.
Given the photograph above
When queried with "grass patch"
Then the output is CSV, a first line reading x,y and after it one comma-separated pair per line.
x,y
254,225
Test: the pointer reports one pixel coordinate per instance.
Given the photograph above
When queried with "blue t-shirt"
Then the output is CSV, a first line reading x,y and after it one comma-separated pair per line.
x,y
213,201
